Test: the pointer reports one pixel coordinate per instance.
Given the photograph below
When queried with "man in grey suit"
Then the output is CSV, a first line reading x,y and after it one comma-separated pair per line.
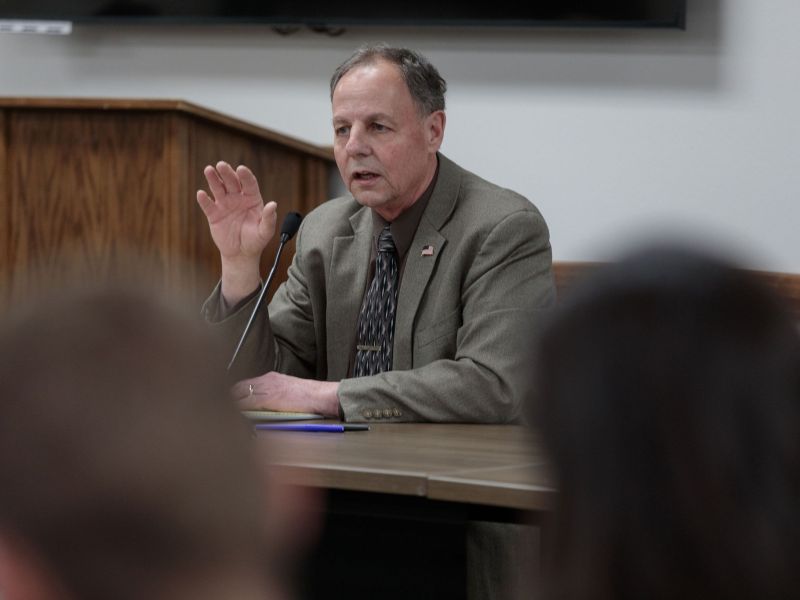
x,y
474,267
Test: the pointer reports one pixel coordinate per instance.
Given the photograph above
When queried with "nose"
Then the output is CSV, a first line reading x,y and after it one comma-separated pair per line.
x,y
357,144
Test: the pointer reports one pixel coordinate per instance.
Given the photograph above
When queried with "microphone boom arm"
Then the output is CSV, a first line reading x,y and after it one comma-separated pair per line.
x,y
289,228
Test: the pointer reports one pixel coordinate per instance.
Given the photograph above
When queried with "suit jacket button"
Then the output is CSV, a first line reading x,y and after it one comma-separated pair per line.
x,y
367,414
387,412
396,412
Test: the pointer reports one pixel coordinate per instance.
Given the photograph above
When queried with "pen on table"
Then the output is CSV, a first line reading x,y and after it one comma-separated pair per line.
x,y
332,428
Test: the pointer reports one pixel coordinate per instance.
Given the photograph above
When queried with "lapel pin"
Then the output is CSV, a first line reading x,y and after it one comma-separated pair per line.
x,y
427,251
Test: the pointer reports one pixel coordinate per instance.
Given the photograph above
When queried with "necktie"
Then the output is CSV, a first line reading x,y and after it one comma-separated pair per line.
x,y
376,319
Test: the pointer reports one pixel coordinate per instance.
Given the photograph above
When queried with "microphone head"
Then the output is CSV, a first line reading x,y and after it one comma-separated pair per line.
x,y
291,223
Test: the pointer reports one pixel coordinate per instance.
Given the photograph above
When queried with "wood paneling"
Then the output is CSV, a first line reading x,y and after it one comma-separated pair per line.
x,y
100,188
85,188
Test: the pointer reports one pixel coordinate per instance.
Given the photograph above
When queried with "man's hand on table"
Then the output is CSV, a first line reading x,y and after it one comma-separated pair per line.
x,y
276,391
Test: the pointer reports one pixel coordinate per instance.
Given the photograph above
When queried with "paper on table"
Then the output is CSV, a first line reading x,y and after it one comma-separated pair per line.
x,y
274,415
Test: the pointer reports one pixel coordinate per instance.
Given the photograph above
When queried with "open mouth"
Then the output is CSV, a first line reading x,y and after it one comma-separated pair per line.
x,y
364,175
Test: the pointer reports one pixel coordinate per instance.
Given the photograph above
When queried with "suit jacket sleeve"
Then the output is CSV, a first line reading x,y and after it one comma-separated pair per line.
x,y
289,346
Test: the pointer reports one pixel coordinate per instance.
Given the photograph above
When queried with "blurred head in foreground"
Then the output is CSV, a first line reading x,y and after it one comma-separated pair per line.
x,y
670,400
124,472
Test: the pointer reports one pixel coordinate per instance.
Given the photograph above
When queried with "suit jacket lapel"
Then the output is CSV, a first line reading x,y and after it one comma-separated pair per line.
x,y
348,279
420,265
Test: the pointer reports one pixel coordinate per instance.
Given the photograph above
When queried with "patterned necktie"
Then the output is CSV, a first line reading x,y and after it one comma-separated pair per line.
x,y
376,320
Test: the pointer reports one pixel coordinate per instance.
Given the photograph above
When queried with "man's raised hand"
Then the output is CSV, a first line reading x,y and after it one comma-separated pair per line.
x,y
241,225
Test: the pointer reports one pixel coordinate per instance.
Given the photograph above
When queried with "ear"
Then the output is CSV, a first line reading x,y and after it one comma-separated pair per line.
x,y
434,129
22,574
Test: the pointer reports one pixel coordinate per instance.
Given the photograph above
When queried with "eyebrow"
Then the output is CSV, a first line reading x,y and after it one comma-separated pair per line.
x,y
370,118
380,117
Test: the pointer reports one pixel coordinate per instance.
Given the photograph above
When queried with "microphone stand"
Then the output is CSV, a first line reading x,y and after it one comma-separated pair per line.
x,y
284,238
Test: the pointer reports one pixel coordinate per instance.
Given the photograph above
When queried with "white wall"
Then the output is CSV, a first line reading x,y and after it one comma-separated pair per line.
x,y
616,135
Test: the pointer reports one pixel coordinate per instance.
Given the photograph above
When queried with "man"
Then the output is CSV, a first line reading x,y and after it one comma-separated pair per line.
x,y
123,473
472,260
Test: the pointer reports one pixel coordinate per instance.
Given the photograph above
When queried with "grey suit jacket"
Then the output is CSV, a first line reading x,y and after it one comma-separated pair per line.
x,y
466,314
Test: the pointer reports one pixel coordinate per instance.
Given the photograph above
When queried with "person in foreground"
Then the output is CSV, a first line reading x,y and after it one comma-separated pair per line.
x,y
669,389
411,299
123,472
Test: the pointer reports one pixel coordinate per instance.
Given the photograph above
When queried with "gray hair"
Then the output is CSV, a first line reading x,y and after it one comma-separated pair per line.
x,y
427,87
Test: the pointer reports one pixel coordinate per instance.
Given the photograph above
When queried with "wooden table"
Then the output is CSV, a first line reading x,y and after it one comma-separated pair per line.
x,y
492,465
401,499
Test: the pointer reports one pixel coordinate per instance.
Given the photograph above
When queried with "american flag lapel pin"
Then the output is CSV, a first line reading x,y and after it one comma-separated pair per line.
x,y
427,251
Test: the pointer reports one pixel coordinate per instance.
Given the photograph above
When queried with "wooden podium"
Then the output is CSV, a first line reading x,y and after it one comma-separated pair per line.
x,y
95,188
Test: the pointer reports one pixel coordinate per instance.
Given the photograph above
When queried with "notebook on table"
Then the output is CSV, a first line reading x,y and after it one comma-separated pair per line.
x,y
274,415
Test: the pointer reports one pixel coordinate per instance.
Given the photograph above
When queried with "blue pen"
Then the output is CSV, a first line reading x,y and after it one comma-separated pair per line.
x,y
338,428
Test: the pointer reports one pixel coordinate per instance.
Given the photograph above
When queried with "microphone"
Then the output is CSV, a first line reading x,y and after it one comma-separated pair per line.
x,y
290,225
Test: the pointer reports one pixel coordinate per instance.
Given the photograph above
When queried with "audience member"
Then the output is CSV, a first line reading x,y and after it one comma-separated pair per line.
x,y
125,470
670,400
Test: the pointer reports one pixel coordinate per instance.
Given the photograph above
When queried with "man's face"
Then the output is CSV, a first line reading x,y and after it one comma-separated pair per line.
x,y
386,152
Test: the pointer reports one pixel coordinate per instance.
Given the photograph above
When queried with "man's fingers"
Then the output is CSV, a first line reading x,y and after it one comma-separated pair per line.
x,y
248,181
229,178
207,204
243,389
270,210
214,182
269,217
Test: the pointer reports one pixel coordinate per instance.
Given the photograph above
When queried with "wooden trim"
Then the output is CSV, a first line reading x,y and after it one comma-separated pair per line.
x,y
566,273
507,486
787,285
168,105
5,206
